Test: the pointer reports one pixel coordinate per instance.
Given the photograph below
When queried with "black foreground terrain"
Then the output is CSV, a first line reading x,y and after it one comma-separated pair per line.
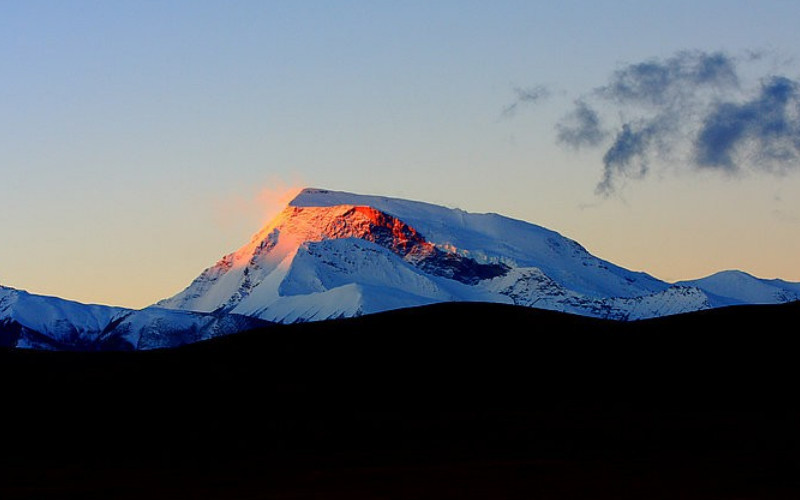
x,y
448,401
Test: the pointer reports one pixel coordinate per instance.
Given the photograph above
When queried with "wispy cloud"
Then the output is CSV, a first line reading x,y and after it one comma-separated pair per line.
x,y
526,96
671,81
582,127
763,132
627,155
693,110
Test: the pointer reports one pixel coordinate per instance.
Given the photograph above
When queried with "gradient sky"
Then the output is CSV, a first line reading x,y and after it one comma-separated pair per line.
x,y
141,140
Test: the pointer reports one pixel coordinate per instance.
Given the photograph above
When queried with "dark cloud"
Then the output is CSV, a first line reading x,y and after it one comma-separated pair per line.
x,y
627,156
765,130
693,110
661,82
581,128
526,96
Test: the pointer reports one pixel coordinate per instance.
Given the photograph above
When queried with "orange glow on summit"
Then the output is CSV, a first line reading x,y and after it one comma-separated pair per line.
x,y
294,225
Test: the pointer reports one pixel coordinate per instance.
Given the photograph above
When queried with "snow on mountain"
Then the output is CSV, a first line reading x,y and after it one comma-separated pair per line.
x,y
737,287
495,238
54,318
349,277
36,321
331,254
153,327
531,287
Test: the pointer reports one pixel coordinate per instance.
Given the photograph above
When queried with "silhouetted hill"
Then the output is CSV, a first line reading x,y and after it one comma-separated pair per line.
x,y
459,400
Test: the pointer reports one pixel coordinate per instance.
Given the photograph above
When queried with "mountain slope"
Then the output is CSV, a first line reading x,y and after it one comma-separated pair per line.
x,y
736,287
332,254
36,321
495,238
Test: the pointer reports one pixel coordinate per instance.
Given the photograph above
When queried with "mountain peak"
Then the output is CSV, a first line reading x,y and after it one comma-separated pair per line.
x,y
733,287
316,197
408,210
308,196
333,253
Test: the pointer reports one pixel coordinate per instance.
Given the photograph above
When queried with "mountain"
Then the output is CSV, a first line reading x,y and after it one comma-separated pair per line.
x,y
41,322
332,254
736,287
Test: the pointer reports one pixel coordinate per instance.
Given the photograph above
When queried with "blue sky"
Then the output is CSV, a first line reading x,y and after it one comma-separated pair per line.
x,y
140,141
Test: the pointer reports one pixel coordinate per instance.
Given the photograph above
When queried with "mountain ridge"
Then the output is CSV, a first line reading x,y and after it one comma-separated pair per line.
x,y
332,254
43,322
327,246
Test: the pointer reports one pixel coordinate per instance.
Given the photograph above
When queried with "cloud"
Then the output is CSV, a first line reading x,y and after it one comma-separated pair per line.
x,y
626,157
765,130
694,110
525,96
581,128
663,82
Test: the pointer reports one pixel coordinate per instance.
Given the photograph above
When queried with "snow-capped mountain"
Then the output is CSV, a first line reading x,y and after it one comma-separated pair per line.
x,y
333,254
736,287
36,321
